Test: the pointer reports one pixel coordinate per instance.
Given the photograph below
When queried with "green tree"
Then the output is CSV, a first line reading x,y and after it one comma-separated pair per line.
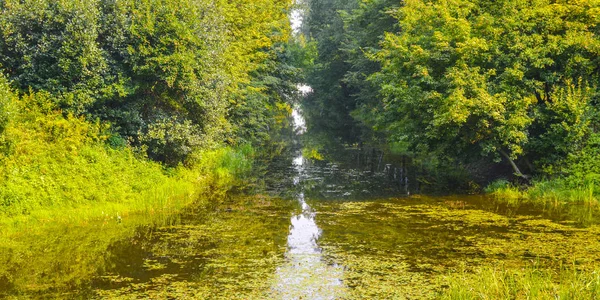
x,y
466,76
179,70
51,45
365,28
168,55
346,34
261,63
329,106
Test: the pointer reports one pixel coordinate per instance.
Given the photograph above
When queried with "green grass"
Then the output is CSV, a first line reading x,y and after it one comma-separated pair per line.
x,y
66,195
59,243
99,182
555,197
57,168
554,192
529,282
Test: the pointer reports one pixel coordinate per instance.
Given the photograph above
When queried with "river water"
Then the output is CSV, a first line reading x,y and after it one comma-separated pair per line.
x,y
347,224
305,274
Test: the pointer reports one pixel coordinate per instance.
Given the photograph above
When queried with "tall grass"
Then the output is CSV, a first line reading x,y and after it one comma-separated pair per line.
x,y
555,192
507,192
57,168
66,196
531,282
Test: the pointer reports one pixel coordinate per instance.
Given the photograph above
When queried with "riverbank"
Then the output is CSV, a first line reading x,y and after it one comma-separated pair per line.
x,y
68,191
56,166
529,282
580,202
51,248
549,192
113,186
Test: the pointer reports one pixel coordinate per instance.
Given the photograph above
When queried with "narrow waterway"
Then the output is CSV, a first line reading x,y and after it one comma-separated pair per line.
x,y
305,275
321,220
340,226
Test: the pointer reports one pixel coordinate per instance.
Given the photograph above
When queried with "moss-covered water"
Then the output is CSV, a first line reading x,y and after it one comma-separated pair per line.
x,y
227,251
408,247
343,224
380,247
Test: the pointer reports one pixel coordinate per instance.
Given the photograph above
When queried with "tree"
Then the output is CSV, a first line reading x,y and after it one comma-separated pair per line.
x,y
466,76
168,55
329,107
180,71
51,45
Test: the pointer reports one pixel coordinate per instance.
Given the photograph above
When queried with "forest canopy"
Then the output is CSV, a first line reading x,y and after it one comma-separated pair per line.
x,y
466,79
171,77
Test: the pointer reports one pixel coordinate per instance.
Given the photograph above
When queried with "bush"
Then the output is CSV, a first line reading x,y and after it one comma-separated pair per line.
x,y
62,162
497,185
583,168
172,141
7,99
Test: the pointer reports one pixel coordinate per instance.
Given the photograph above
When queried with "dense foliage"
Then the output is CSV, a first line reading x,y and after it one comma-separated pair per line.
x,y
171,77
343,34
135,105
466,80
52,163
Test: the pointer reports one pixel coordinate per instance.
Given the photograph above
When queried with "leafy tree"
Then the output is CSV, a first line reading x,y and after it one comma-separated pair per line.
x,y
168,54
329,107
466,76
51,45
6,102
261,63
346,33
365,28
143,64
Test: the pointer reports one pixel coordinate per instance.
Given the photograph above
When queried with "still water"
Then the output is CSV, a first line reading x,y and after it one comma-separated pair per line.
x,y
305,274
345,226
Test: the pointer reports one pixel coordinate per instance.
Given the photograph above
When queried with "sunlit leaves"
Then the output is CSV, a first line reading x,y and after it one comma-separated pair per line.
x,y
479,74
138,63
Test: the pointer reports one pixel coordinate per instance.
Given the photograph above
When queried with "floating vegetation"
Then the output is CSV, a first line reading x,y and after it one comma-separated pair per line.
x,y
430,247
413,247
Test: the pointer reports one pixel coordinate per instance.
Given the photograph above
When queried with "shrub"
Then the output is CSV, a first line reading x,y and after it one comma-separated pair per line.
x,y
172,141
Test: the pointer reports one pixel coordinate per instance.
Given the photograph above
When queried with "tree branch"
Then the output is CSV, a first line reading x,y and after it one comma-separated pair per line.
x,y
514,165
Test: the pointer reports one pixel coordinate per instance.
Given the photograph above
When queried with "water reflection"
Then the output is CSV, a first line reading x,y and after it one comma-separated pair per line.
x,y
299,123
305,275
349,176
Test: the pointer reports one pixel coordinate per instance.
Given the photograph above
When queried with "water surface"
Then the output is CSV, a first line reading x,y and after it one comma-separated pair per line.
x,y
347,225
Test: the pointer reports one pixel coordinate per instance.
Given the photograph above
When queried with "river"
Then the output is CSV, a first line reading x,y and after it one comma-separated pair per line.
x,y
347,225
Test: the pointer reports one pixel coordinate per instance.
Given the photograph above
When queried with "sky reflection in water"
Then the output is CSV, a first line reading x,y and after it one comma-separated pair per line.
x,y
305,275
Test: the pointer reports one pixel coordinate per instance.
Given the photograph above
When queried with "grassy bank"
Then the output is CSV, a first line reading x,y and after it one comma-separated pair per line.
x,y
573,181
524,283
62,167
555,197
554,192
68,191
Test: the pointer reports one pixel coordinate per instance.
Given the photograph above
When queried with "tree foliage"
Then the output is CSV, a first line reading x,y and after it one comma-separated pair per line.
x,y
345,33
498,76
329,106
514,80
142,64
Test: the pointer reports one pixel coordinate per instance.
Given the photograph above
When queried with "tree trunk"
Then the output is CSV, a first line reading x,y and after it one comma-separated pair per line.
x,y
529,165
514,165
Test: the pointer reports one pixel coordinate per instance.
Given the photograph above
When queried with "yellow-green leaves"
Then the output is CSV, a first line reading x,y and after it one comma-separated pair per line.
x,y
490,74
142,63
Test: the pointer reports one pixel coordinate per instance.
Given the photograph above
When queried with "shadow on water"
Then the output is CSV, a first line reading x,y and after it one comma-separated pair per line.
x,y
229,253
353,174
322,222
